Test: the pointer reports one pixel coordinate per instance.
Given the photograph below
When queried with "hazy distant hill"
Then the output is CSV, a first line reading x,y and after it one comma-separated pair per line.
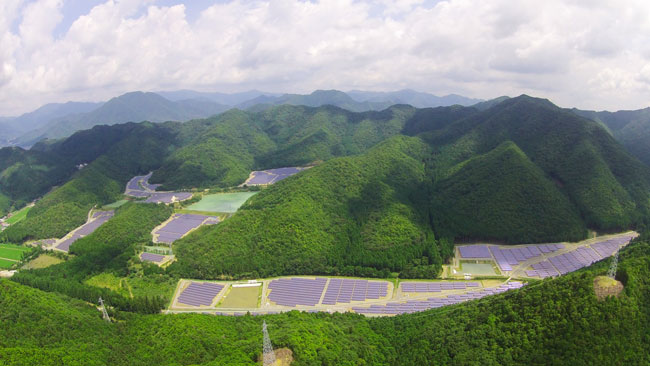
x,y
411,97
130,107
631,128
221,98
316,99
11,128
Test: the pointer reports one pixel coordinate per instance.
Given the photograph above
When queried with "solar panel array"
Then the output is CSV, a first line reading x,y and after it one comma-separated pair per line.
x,y
297,291
609,247
271,176
341,290
200,293
180,225
579,258
475,251
413,306
506,258
140,187
98,219
543,269
150,257
436,286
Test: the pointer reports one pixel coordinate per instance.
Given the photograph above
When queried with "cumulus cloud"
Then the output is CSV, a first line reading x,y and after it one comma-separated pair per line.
x,y
589,54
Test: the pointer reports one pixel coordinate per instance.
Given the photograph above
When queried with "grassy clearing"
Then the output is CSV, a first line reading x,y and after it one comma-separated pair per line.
x,y
115,204
13,252
42,261
478,269
6,264
221,202
19,215
134,286
241,297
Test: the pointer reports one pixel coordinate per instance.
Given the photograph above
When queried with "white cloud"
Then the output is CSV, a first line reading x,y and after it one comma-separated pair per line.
x,y
589,54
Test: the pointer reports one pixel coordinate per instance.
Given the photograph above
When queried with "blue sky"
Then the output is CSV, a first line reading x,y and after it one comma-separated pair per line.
x,y
587,54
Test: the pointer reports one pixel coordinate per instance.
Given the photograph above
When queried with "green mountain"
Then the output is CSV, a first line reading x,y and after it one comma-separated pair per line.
x,y
500,195
351,215
523,170
551,322
608,188
631,128
232,144
26,175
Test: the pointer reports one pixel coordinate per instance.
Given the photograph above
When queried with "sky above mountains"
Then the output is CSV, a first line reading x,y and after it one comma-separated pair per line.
x,y
588,54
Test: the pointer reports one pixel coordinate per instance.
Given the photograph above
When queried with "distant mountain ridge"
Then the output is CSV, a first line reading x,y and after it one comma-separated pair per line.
x,y
55,121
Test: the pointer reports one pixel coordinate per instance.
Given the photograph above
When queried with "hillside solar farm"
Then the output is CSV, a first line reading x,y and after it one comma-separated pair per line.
x,y
270,176
180,225
139,187
382,298
96,220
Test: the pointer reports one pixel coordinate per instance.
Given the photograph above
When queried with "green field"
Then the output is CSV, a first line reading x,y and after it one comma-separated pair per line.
x,y
115,204
19,215
482,269
6,264
14,252
241,297
221,202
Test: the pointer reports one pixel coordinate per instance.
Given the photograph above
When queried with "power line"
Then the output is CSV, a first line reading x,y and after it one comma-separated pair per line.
x,y
104,313
267,348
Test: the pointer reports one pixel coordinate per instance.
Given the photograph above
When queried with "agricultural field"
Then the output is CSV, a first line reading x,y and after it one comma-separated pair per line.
x,y
11,254
42,261
242,297
19,215
222,202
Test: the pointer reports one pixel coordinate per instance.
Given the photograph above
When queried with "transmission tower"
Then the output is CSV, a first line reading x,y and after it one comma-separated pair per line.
x,y
104,313
268,354
612,268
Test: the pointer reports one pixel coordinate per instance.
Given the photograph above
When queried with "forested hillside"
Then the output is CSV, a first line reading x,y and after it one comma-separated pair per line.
x,y
236,142
607,187
25,175
355,215
102,181
631,128
522,170
555,321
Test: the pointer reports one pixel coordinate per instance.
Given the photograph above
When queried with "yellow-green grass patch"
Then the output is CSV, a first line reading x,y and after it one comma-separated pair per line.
x,y
242,297
42,261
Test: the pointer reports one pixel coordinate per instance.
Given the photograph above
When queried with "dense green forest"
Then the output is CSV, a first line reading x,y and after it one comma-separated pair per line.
x,y
555,321
631,128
